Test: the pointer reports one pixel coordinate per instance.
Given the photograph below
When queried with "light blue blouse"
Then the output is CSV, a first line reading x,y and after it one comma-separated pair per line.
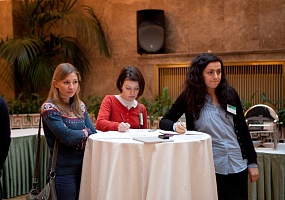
x,y
219,124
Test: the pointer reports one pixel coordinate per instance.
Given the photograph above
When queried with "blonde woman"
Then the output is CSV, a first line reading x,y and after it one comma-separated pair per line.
x,y
65,117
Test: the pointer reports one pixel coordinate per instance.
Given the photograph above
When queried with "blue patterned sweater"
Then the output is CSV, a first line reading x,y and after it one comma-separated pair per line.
x,y
72,133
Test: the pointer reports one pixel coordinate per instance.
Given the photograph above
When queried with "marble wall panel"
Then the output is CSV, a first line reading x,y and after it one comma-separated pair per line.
x,y
235,30
272,24
6,30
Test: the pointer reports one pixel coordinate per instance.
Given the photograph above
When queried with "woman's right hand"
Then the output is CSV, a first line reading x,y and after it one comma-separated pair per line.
x,y
181,127
123,127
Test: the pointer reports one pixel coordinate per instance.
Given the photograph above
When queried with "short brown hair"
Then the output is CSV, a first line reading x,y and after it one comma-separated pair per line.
x,y
133,74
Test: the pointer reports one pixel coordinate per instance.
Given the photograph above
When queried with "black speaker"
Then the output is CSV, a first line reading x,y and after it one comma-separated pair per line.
x,y
150,31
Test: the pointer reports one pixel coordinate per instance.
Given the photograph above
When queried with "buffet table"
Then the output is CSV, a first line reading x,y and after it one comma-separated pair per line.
x,y
118,167
18,168
271,183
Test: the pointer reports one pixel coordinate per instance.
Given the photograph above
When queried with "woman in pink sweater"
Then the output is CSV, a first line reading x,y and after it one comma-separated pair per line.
x,y
122,111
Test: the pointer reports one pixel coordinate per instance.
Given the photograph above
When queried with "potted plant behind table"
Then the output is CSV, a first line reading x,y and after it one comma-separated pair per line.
x,y
280,105
93,104
46,33
25,113
157,108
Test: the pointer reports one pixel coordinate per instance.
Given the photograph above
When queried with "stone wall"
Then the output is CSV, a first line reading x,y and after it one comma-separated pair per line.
x,y
235,30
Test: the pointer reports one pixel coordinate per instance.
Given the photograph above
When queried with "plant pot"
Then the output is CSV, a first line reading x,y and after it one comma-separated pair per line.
x,y
25,120
152,122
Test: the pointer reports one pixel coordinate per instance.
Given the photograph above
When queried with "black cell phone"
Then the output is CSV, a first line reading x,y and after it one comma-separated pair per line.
x,y
163,136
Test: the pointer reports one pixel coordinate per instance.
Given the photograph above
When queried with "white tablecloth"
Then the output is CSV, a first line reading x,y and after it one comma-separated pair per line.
x,y
124,169
25,132
269,148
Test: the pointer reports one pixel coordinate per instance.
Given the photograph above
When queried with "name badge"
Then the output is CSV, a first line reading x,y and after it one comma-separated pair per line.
x,y
141,118
231,109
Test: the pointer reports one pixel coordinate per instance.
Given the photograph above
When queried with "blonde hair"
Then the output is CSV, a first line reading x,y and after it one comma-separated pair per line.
x,y
60,73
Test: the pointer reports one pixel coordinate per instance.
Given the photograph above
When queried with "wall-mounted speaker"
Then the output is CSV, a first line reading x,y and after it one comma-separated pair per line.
x,y
150,31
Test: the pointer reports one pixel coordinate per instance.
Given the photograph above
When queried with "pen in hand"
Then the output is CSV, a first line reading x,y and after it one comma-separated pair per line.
x,y
122,117
181,123
123,125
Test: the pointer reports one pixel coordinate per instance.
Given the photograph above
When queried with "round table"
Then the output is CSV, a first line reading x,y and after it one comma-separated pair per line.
x,y
118,167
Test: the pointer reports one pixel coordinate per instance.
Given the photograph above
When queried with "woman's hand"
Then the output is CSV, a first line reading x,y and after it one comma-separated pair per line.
x,y
181,127
123,127
253,173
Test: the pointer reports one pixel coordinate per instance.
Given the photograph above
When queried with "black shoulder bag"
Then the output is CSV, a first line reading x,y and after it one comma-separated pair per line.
x,y
49,191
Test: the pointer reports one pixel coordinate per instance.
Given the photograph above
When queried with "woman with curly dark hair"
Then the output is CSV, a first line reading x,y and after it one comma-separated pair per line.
x,y
212,106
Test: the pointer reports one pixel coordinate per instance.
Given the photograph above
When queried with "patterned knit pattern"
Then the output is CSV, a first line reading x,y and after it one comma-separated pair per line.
x,y
72,133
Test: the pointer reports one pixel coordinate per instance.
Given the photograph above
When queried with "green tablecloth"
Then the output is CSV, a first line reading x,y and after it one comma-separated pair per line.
x,y
18,168
271,183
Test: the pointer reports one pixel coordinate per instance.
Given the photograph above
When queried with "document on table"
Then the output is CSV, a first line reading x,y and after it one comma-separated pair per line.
x,y
194,133
175,133
125,135
168,132
151,139
112,135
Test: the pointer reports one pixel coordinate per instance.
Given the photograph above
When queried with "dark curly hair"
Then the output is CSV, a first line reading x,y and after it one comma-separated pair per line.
x,y
133,74
195,89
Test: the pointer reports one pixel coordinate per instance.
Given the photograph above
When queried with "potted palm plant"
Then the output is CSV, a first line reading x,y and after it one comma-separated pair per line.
x,y
48,32
93,104
157,108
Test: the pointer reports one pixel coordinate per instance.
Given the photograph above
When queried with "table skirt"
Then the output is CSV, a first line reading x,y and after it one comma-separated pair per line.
x,y
271,183
18,168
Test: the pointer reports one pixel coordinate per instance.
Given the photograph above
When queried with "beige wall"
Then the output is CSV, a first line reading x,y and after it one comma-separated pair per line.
x,y
245,30
6,29
235,30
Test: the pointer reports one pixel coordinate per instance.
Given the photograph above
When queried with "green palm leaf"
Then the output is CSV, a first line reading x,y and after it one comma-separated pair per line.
x,y
47,38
